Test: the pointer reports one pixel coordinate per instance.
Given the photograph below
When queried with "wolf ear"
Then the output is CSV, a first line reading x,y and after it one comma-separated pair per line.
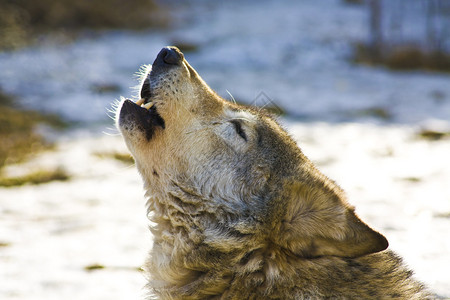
x,y
317,221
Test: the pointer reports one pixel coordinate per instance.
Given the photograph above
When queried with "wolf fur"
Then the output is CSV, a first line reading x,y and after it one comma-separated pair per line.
x,y
238,211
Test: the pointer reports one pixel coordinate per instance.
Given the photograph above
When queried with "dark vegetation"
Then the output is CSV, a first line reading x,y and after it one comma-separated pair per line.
x,y
20,139
37,177
380,113
433,135
409,57
18,131
444,215
24,21
96,267
122,157
393,43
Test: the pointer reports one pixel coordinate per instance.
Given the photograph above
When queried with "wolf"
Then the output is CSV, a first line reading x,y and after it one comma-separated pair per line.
x,y
237,210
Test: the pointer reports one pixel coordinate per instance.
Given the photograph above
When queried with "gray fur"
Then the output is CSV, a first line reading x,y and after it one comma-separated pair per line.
x,y
245,215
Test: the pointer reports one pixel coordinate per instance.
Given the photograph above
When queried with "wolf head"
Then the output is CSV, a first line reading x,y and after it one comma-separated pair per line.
x,y
230,175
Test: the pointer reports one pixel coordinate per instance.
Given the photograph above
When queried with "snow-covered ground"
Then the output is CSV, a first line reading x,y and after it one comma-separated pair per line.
x,y
54,231
297,53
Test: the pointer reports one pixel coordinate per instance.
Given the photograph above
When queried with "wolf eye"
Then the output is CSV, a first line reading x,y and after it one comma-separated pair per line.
x,y
238,127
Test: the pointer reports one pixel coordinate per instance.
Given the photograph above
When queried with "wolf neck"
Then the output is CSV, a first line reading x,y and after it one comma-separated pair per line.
x,y
200,251
195,244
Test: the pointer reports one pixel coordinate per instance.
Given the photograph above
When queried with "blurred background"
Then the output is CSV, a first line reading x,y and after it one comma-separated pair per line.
x,y
362,85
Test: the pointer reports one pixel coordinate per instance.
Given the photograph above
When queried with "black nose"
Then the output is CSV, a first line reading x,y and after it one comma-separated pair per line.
x,y
169,56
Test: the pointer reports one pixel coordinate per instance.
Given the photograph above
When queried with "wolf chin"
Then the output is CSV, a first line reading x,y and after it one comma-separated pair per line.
x,y
238,211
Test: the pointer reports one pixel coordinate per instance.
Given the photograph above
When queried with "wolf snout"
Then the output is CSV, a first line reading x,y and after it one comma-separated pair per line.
x,y
168,56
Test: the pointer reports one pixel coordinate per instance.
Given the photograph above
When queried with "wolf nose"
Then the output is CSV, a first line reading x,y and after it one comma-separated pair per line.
x,y
169,56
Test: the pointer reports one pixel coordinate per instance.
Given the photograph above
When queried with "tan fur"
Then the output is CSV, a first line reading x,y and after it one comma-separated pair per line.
x,y
239,212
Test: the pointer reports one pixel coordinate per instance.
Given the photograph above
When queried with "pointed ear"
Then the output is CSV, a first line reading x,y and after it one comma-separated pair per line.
x,y
318,221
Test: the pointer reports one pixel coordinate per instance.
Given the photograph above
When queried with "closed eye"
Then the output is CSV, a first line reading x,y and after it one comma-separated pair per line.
x,y
238,127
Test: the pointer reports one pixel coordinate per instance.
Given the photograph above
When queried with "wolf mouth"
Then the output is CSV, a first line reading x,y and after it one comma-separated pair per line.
x,y
143,114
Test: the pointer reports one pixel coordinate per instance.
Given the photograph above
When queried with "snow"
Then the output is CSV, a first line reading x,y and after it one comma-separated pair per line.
x,y
297,53
55,230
